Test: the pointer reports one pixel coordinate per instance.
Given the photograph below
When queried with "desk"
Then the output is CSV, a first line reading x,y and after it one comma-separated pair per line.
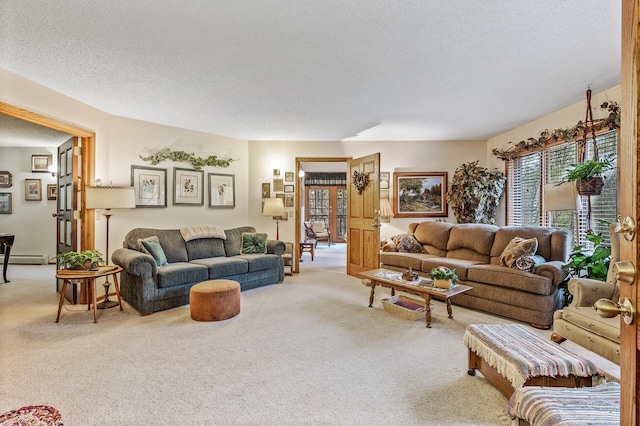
x,y
6,241
67,275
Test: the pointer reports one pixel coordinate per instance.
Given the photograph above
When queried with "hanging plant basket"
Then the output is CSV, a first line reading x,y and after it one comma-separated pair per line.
x,y
590,186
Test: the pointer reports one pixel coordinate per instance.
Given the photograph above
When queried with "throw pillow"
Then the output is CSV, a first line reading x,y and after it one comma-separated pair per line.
x,y
141,247
517,248
253,243
407,243
155,249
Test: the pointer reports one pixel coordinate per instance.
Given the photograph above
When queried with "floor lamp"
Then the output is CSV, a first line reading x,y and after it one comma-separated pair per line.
x,y
107,198
563,196
274,207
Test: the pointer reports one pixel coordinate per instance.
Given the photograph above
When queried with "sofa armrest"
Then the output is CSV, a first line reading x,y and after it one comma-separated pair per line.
x,y
586,291
553,270
276,247
134,262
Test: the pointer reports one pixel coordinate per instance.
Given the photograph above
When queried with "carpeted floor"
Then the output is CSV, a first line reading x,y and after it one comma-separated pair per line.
x,y
305,352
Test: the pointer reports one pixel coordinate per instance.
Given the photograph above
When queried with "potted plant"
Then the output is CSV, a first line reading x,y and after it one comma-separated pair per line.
x,y
87,259
443,277
588,175
587,264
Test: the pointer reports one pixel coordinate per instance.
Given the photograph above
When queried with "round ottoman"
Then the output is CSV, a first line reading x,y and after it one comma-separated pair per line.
x,y
215,300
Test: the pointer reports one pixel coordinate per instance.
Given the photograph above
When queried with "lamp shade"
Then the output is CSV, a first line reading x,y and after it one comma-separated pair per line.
x,y
273,207
385,208
109,197
561,197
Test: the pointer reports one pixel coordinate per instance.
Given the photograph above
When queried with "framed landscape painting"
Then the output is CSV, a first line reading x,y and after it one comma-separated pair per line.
x,y
150,185
420,194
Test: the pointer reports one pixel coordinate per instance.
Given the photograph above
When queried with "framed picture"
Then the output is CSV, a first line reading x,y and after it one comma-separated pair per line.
x,y
5,203
281,196
187,184
41,163
284,217
385,177
288,200
33,189
420,194
288,176
276,172
266,190
278,185
222,191
52,191
150,185
289,188
6,179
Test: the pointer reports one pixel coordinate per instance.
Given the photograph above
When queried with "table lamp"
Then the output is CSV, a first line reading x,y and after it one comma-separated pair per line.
x,y
107,198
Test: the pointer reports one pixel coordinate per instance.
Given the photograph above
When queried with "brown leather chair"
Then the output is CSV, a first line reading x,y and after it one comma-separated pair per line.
x,y
317,231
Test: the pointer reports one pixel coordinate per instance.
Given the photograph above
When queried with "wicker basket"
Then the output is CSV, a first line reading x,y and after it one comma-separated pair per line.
x,y
415,309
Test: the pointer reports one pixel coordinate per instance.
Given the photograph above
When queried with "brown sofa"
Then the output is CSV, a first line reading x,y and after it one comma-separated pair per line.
x,y
474,250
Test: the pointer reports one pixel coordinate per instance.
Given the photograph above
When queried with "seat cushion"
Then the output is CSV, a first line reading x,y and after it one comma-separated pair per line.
x,y
586,317
504,276
224,266
180,273
460,265
261,262
403,260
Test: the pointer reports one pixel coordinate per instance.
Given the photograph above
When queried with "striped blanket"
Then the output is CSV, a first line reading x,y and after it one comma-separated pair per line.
x,y
544,406
519,354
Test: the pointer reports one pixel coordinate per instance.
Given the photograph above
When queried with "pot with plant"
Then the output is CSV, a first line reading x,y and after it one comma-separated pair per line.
x,y
443,277
588,175
84,260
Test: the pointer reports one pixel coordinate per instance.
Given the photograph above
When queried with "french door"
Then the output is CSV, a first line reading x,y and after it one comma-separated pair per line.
x,y
328,204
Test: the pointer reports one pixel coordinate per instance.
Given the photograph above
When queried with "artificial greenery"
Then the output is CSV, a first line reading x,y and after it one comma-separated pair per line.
x,y
442,273
185,157
593,264
79,260
577,132
587,169
474,193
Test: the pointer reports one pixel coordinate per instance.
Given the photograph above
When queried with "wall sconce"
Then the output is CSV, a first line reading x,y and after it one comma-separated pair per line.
x,y
52,169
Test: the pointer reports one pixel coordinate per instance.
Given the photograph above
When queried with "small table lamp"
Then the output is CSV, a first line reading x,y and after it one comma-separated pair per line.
x,y
274,207
107,198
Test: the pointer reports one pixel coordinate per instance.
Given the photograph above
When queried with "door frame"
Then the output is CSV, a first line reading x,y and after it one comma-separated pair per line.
x,y
298,197
88,141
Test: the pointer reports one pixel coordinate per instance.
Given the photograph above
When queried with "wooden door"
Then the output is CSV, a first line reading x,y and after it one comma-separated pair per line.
x,y
363,225
628,206
67,204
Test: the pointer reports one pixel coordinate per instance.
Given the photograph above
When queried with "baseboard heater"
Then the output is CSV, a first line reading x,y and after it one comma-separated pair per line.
x,y
26,259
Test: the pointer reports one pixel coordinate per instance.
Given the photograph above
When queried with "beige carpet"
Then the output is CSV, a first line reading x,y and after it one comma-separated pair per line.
x,y
305,352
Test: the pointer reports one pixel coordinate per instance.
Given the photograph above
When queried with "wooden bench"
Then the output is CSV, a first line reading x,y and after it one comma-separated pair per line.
x,y
511,356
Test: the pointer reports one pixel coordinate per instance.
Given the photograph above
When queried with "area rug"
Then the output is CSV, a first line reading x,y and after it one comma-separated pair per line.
x,y
32,415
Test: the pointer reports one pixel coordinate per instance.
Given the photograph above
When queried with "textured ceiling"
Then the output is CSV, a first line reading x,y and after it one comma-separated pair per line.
x,y
319,70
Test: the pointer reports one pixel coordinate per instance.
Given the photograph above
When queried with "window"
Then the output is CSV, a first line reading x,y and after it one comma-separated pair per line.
x,y
528,174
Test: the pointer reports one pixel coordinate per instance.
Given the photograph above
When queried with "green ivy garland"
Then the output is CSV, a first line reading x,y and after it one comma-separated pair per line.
x,y
185,157
612,121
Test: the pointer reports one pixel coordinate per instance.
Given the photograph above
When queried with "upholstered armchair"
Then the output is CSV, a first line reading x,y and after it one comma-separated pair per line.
x,y
317,231
580,323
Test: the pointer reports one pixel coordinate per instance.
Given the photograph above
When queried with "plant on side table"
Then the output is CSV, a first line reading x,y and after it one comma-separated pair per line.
x,y
443,277
87,259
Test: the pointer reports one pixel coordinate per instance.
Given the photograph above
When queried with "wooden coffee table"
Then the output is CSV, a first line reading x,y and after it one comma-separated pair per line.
x,y
377,277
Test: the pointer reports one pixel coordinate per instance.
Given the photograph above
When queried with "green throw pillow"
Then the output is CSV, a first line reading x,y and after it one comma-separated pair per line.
x,y
155,249
253,243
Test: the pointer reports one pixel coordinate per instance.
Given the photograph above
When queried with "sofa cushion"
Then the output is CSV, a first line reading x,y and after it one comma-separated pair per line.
x,y
220,267
434,236
254,243
154,248
518,247
407,243
233,243
172,242
460,265
141,248
587,318
505,234
503,276
204,248
471,241
261,262
403,260
179,273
